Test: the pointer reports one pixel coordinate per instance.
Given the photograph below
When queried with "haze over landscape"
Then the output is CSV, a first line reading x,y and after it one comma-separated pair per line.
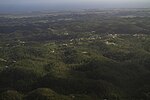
x,y
39,5
74,49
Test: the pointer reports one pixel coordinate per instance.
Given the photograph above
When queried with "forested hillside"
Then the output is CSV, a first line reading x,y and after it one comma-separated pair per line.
x,y
75,55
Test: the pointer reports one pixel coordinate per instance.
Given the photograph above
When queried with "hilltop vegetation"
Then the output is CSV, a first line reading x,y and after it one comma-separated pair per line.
x,y
85,55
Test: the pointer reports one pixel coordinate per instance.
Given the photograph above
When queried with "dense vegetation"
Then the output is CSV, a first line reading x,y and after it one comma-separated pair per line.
x,y
84,55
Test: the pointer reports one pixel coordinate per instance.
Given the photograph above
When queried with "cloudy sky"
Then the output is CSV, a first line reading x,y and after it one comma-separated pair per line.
x,y
70,1
70,4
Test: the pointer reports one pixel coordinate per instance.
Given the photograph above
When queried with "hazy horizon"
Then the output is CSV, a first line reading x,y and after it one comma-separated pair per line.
x,y
39,5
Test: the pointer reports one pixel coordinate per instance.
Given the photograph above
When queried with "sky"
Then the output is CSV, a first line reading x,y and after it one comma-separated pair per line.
x,y
20,5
